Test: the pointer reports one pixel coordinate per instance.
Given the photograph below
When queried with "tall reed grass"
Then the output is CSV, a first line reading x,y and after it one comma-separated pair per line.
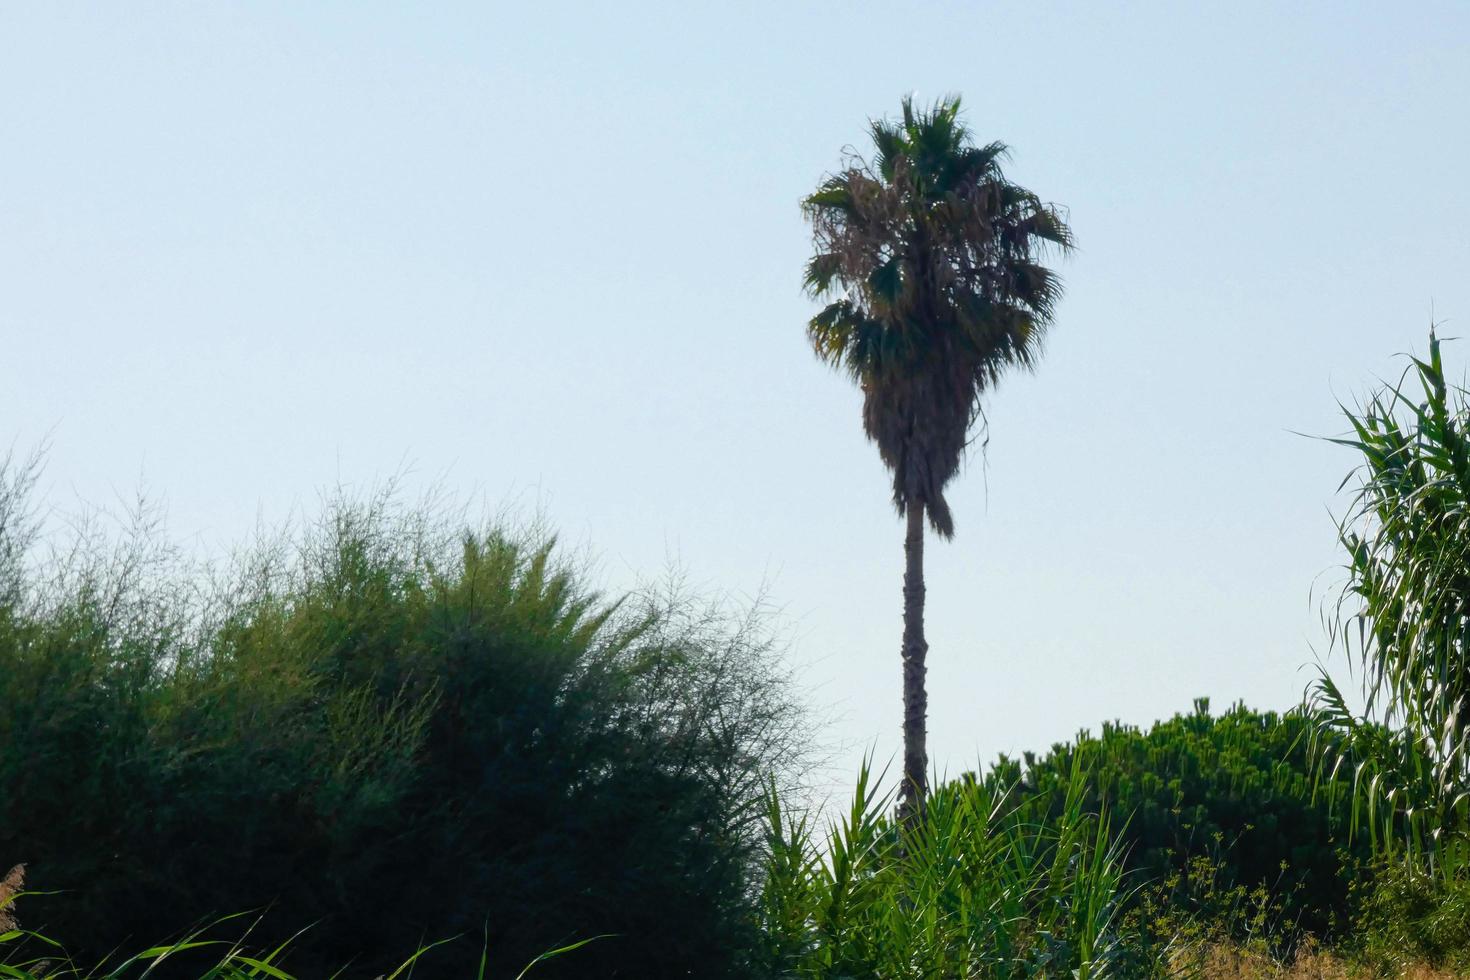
x,y
1404,617
974,889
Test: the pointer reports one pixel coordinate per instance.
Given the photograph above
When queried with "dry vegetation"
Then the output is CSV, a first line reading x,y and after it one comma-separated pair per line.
x,y
11,886
1222,962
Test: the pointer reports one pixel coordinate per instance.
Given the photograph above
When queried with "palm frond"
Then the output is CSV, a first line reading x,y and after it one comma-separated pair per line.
x,y
938,262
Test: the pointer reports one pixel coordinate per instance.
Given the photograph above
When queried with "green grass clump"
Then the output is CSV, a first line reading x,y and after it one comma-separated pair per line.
x,y
26,955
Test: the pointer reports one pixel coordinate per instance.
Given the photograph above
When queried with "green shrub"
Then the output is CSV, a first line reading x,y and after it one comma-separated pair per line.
x,y
1235,789
388,728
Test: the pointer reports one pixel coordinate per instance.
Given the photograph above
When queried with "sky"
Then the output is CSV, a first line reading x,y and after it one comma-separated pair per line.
x,y
549,256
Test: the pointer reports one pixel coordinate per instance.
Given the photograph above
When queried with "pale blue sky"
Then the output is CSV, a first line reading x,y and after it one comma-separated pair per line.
x,y
552,252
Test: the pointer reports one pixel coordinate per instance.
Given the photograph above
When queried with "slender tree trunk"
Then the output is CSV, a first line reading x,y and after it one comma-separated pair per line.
x,y
915,697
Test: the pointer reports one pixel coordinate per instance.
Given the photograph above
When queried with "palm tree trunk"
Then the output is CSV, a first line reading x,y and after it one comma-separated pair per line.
x,y
915,648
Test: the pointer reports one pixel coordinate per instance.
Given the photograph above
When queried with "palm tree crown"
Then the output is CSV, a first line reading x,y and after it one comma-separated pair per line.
x,y
930,258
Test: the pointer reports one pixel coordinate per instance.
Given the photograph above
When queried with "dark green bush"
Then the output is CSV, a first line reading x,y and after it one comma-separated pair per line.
x,y
389,727
1235,789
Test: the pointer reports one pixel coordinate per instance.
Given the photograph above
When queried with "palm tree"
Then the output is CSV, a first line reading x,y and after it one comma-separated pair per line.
x,y
931,261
